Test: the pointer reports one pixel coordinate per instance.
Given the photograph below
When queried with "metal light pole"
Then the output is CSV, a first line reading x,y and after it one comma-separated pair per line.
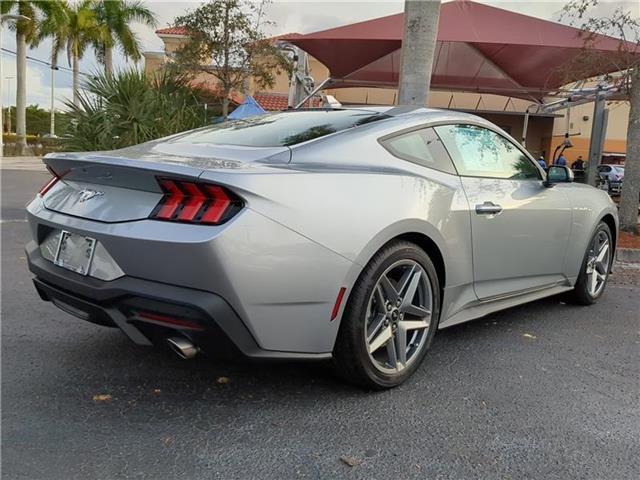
x,y
8,79
3,17
52,126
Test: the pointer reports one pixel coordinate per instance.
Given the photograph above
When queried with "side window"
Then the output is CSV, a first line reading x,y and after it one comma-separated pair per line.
x,y
480,152
422,147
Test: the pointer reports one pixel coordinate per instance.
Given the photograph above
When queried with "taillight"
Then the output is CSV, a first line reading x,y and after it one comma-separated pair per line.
x,y
195,202
49,185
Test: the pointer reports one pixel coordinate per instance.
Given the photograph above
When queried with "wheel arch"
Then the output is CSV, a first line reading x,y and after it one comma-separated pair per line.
x,y
430,248
432,244
611,223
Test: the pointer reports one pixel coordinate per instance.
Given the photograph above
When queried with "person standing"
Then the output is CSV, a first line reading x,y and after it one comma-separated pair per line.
x,y
578,164
561,161
542,163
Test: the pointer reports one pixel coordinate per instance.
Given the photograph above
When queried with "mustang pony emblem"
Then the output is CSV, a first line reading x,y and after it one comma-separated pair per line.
x,y
88,194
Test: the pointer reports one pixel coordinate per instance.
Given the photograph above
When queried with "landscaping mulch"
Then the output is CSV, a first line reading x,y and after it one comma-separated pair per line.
x,y
628,240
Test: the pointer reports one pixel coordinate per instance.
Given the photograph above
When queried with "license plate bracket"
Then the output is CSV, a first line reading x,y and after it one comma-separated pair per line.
x,y
75,252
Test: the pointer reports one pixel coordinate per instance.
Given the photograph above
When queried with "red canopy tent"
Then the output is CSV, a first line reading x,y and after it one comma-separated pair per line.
x,y
480,48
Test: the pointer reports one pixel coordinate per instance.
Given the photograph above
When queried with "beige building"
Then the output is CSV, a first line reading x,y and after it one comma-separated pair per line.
x,y
545,131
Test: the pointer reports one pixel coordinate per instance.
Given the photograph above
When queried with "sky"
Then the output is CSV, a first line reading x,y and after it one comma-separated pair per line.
x,y
303,16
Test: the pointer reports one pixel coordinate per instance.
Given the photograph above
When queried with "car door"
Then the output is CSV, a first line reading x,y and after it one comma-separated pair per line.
x,y
519,227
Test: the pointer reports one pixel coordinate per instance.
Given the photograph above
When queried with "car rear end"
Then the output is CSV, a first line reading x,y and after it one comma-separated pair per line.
x,y
174,240
154,249
616,176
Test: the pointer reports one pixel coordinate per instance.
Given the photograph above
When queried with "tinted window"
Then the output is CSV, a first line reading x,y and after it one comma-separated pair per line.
x,y
281,129
422,147
480,152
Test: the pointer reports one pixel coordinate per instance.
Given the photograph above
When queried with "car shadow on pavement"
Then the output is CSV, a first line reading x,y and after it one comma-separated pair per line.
x,y
139,374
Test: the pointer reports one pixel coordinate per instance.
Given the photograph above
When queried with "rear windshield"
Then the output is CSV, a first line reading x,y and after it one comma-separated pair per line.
x,y
281,129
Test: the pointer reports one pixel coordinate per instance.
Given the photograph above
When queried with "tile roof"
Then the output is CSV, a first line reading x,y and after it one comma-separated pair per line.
x,y
274,102
172,31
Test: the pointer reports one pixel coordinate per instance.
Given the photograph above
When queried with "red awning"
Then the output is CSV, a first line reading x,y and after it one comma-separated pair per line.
x,y
480,48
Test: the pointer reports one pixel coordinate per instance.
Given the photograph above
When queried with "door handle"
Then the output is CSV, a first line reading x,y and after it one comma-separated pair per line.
x,y
488,208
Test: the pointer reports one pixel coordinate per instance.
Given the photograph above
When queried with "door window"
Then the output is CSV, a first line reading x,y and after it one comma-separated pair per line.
x,y
423,147
480,152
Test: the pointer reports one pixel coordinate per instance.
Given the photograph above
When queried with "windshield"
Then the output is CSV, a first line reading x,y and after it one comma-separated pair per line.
x,y
281,129
619,169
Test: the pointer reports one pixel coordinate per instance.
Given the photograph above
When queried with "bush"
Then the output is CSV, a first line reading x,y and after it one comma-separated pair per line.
x,y
130,107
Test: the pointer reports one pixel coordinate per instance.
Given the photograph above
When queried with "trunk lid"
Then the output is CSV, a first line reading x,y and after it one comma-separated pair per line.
x,y
122,185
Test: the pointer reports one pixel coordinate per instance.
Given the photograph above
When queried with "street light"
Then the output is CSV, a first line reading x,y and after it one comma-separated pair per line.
x,y
8,79
3,17
52,114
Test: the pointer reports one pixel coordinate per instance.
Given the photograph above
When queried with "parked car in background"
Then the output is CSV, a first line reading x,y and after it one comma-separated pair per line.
x,y
612,176
349,234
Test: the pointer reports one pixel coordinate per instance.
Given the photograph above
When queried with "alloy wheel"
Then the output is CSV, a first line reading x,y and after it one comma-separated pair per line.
x,y
598,263
398,316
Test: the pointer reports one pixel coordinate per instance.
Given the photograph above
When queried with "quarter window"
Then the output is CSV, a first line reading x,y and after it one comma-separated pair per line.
x,y
480,152
422,147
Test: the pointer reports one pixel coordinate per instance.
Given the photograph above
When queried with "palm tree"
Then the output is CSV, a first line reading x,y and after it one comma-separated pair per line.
x,y
80,31
54,26
418,46
26,35
114,18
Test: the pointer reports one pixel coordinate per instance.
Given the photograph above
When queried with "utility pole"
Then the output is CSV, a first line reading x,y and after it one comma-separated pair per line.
x,y
418,46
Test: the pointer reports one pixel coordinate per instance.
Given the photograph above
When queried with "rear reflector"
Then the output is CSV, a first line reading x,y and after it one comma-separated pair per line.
x,y
336,306
166,321
195,202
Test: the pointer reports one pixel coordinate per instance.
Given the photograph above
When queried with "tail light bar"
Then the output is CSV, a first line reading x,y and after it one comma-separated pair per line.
x,y
195,202
51,182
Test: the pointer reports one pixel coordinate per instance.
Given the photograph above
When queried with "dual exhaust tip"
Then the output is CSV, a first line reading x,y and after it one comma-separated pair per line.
x,y
182,347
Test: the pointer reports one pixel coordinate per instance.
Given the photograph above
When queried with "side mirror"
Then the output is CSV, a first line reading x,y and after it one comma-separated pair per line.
x,y
558,174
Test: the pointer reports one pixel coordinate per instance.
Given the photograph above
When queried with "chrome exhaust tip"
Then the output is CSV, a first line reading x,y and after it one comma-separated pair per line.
x,y
182,347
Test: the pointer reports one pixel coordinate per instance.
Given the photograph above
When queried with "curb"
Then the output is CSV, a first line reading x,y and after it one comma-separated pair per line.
x,y
630,255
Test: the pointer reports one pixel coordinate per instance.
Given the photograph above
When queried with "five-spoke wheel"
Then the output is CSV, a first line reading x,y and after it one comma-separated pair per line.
x,y
398,315
391,316
595,267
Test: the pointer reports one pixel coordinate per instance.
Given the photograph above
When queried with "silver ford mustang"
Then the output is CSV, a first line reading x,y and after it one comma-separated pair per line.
x,y
350,235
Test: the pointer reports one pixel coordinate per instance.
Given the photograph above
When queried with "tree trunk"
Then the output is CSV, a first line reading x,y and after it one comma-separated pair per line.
x,y
76,78
629,201
108,60
21,92
418,45
225,105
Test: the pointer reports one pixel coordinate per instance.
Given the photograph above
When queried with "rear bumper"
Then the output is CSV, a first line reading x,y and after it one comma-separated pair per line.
x,y
219,329
615,186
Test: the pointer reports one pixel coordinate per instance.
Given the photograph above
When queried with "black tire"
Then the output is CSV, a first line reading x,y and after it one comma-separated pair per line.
x,y
580,293
350,356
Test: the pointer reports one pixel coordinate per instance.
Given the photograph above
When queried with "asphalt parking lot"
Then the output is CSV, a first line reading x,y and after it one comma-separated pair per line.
x,y
545,390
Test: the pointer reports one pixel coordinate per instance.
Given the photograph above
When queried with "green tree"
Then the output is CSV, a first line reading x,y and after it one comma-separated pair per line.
x,y
115,18
27,34
226,40
130,107
82,31
621,23
55,26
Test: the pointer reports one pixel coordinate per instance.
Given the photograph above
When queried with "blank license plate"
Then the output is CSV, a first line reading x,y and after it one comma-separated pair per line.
x,y
75,252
